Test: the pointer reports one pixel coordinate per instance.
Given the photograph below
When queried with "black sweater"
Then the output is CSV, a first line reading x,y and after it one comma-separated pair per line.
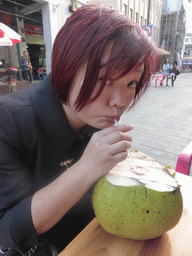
x,y
35,137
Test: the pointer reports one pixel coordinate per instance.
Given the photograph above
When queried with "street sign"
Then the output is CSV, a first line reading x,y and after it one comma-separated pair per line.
x,y
148,29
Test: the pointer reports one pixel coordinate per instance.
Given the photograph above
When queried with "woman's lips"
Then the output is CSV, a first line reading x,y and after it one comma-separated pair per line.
x,y
111,119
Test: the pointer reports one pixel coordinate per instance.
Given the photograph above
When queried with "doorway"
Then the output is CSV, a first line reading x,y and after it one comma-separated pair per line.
x,y
37,57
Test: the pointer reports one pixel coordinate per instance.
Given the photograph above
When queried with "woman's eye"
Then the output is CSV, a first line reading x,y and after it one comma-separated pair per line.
x,y
132,84
108,82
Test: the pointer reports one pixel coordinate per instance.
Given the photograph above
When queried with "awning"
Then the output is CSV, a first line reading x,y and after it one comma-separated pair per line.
x,y
187,63
162,52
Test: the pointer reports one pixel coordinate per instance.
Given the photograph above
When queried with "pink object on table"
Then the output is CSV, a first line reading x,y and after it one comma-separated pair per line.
x,y
184,160
41,70
160,78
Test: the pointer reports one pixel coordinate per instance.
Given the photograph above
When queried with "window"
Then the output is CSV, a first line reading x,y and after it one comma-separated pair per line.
x,y
142,21
137,17
131,14
125,8
121,5
155,33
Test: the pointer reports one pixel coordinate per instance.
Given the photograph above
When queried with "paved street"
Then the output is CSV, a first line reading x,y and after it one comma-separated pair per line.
x,y
162,120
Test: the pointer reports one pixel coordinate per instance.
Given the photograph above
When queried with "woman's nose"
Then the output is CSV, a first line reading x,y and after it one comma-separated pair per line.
x,y
117,98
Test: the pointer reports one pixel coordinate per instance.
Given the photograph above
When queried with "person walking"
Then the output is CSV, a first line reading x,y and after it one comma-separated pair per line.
x,y
26,67
166,71
174,72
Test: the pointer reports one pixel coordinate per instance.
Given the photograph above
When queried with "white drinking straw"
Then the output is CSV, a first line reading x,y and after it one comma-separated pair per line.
x,y
129,152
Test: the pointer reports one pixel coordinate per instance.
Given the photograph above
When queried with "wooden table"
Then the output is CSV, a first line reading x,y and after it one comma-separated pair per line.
x,y
94,241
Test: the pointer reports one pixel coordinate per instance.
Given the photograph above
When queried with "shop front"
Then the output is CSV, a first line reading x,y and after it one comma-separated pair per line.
x,y
35,46
24,17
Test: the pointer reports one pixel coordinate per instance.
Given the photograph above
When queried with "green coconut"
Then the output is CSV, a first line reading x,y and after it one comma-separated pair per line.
x,y
138,204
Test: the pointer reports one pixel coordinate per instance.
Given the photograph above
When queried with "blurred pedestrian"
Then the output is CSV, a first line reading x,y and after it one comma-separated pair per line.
x,y
41,69
174,72
41,72
26,67
166,70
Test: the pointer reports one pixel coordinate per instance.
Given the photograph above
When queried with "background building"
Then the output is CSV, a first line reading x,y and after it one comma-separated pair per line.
x,y
172,5
173,21
143,12
188,7
24,17
38,22
187,46
187,53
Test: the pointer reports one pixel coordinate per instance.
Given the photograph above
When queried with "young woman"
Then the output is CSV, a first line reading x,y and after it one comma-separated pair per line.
x,y
166,71
174,72
58,137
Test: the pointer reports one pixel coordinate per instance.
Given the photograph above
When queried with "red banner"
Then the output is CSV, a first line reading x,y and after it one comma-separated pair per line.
x,y
6,18
33,30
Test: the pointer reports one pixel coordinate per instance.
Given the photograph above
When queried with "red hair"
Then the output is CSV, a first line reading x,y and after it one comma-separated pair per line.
x,y
83,39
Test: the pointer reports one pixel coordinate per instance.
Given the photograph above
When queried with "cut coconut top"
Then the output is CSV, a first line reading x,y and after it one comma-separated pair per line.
x,y
149,173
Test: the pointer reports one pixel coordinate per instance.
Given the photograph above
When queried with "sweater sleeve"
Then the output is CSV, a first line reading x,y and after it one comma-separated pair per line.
x,y
16,226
